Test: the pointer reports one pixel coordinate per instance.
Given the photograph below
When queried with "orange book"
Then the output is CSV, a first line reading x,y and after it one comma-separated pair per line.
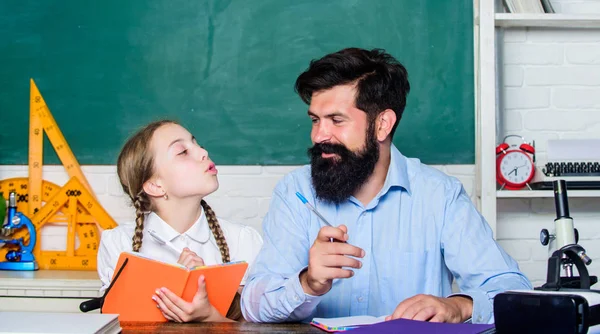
x,y
131,294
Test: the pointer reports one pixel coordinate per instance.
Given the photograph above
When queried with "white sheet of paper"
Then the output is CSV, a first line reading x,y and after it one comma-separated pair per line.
x,y
350,321
594,330
579,150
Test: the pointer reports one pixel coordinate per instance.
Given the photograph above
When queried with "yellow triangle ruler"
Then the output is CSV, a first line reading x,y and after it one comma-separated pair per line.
x,y
74,204
40,121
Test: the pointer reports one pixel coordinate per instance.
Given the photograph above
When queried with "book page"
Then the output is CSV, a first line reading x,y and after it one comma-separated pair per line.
x,y
147,257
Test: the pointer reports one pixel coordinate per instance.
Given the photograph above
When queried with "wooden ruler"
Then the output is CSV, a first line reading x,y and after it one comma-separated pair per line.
x,y
40,121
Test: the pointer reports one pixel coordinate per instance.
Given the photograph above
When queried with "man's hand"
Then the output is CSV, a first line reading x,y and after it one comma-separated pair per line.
x,y
326,259
453,309
190,259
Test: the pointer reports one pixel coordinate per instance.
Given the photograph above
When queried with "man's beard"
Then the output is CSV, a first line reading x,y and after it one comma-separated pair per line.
x,y
336,179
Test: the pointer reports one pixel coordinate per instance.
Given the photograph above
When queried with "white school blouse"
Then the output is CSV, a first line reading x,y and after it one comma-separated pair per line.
x,y
244,243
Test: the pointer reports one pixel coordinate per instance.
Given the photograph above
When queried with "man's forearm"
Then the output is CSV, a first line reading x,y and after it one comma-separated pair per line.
x,y
272,298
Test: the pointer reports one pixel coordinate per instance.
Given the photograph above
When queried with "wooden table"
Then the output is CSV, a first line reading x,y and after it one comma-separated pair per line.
x,y
221,327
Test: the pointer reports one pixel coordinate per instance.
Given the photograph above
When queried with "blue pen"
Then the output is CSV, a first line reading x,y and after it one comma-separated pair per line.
x,y
312,208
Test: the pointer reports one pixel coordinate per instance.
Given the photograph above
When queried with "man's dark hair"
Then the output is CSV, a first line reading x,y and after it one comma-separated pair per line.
x,y
381,81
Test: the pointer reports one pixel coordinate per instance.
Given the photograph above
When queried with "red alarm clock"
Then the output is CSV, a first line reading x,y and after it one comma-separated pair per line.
x,y
514,165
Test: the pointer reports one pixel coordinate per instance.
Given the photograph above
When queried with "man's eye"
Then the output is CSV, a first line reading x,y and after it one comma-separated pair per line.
x,y
184,152
314,120
336,121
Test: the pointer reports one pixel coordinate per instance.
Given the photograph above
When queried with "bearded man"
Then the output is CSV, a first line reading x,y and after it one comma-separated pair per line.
x,y
402,231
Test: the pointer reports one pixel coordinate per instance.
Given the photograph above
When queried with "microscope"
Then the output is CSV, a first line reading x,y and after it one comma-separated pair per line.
x,y
22,258
564,304
564,248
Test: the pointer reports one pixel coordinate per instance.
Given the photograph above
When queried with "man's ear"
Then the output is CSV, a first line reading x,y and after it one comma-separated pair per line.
x,y
153,188
384,124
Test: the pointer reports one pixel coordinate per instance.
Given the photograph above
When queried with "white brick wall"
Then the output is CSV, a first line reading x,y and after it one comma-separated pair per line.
x,y
551,90
243,196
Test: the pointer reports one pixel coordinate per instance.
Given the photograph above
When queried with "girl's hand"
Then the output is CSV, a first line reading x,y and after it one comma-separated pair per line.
x,y
190,259
198,310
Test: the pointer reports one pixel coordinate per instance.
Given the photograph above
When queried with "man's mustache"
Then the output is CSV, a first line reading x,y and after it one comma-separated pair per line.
x,y
320,148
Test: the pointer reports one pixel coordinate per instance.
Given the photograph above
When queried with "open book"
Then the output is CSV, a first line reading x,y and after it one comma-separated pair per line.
x,y
132,291
345,323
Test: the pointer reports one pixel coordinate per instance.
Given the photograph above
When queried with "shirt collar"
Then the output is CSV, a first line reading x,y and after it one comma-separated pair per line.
x,y
397,175
199,231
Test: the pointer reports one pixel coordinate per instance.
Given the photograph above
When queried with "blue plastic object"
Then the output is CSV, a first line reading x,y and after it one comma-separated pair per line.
x,y
21,259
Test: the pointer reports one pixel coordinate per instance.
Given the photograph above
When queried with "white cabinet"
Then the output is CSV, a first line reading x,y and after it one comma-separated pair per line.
x,y
47,290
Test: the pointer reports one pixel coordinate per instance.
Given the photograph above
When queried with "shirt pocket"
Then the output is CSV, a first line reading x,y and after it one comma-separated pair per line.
x,y
402,274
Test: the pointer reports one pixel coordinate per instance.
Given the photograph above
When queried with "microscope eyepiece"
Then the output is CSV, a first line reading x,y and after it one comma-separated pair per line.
x,y
561,202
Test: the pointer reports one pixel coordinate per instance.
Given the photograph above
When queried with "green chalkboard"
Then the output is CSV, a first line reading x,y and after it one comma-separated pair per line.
x,y
225,70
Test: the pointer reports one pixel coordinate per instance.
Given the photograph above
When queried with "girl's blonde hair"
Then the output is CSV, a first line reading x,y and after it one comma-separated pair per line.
x,y
135,166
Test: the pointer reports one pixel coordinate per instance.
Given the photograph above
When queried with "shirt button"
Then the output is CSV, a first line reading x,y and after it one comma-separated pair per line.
x,y
296,298
360,299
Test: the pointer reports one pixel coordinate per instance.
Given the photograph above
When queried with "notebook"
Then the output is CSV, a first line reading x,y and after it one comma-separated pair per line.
x,y
54,323
131,294
345,323
370,324
424,327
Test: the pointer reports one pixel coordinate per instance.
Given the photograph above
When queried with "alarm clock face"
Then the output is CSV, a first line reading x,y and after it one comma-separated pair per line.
x,y
516,167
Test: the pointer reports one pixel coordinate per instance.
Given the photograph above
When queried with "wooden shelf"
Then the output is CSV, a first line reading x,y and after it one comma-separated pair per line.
x,y
508,20
544,193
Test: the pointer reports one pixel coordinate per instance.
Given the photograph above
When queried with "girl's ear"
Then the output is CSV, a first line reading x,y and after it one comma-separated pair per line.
x,y
153,188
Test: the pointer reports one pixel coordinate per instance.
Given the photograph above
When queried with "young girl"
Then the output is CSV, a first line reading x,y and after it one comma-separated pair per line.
x,y
167,174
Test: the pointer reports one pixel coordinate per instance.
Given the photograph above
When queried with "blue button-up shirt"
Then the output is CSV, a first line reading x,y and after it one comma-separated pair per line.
x,y
419,232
